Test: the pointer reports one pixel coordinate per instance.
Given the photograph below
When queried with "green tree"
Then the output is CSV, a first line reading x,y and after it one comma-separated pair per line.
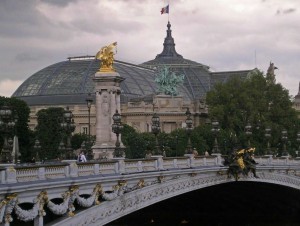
x,y
258,102
78,139
25,136
49,131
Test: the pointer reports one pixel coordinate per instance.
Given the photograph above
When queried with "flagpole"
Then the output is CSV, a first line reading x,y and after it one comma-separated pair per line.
x,y
169,11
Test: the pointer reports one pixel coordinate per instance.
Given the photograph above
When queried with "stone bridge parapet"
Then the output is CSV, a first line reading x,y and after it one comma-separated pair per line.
x,y
99,185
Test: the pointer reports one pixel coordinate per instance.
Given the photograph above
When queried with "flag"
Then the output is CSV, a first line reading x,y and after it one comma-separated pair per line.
x,y
165,10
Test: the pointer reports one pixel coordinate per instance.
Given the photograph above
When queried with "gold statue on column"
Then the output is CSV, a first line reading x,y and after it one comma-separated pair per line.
x,y
106,55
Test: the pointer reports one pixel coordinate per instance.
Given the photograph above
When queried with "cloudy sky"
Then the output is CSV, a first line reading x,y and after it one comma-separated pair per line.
x,y
224,34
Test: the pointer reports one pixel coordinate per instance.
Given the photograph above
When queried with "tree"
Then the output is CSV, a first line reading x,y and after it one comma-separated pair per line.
x,y
78,139
49,131
258,102
25,136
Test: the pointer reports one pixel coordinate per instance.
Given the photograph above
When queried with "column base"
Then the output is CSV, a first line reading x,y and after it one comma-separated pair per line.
x,y
103,152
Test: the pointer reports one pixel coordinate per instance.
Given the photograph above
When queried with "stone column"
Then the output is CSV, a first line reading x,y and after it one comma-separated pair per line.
x,y
107,88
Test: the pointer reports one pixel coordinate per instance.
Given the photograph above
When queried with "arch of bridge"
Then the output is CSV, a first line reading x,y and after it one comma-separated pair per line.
x,y
164,189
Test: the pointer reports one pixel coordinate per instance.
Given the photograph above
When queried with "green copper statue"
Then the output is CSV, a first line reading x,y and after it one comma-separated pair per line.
x,y
168,81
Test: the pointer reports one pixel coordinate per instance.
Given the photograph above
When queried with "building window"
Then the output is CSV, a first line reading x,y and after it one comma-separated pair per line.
x,y
84,129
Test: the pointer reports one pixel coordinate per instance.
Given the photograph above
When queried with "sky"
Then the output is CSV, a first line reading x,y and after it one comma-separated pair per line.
x,y
223,34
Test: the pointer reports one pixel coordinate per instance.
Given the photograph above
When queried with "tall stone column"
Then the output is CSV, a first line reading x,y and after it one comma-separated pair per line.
x,y
107,88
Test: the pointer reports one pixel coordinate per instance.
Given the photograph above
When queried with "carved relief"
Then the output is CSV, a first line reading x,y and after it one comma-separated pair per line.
x,y
105,105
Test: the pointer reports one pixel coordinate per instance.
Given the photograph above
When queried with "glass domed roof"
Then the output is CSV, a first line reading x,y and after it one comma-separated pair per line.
x,y
70,81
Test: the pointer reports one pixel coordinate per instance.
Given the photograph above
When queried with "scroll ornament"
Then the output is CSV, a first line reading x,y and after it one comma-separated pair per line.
x,y
11,202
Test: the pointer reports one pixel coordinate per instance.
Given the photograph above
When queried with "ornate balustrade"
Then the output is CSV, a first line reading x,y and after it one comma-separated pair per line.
x,y
13,173
86,182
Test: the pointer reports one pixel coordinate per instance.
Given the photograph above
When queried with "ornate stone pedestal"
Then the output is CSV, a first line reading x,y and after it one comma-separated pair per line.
x,y
107,88
218,158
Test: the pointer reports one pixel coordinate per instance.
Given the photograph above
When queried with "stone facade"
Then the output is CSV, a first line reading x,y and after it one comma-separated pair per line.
x,y
138,113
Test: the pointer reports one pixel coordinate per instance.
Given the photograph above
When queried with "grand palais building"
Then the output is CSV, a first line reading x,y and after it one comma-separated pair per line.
x,y
69,82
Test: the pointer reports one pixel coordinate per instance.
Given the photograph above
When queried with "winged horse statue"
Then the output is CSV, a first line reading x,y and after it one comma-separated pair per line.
x,y
106,56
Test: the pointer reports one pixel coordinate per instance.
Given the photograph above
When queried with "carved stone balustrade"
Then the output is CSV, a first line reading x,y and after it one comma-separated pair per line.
x,y
15,174
124,185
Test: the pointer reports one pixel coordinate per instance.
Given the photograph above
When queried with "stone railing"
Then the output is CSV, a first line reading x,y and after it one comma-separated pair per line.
x,y
11,173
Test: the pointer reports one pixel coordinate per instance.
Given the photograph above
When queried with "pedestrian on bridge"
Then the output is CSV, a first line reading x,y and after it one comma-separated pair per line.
x,y
81,157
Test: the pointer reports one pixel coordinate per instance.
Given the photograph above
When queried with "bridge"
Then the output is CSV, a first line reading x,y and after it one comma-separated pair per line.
x,y
96,193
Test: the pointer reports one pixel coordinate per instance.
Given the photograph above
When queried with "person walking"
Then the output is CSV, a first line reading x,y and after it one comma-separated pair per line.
x,y
81,157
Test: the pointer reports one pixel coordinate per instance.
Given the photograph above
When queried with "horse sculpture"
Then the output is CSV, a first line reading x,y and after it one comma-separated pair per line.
x,y
241,162
106,55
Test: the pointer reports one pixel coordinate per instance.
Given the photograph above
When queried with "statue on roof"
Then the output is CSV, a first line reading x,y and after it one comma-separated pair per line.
x,y
106,55
271,73
168,81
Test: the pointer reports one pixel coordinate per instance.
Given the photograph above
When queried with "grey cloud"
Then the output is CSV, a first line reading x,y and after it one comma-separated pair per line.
x,y
61,3
21,19
290,10
285,11
29,41
26,56
106,27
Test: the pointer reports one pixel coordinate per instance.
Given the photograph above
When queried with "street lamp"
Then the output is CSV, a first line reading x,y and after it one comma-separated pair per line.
x,y
188,129
37,148
155,130
83,146
215,130
68,126
268,137
61,149
89,101
248,132
284,140
117,128
298,140
176,137
7,123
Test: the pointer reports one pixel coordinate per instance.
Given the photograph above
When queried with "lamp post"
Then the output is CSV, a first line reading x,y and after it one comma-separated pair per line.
x,y
68,126
83,146
188,129
62,149
89,101
284,140
176,137
248,132
37,148
268,137
215,130
117,128
298,141
155,130
7,123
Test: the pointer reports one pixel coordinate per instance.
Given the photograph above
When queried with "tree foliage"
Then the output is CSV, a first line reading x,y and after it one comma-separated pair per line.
x,y
25,136
258,102
49,132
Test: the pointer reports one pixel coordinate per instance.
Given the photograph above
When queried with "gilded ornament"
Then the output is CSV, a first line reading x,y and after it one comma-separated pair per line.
x,y
141,183
193,174
106,56
241,162
160,179
122,182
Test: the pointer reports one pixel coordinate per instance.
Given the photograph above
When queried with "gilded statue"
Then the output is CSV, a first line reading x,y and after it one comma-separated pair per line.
x,y
241,162
106,56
